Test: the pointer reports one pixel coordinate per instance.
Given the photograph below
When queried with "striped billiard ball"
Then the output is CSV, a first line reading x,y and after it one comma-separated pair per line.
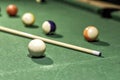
x,y
90,33
49,27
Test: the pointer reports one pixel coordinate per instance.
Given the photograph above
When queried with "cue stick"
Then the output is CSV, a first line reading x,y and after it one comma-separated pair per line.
x,y
31,36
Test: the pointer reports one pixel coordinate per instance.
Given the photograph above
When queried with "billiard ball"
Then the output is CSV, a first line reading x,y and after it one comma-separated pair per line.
x,y
12,10
90,33
28,19
36,48
40,1
49,27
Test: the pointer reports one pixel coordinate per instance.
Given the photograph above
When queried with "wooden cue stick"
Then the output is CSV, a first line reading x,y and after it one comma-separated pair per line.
x,y
16,32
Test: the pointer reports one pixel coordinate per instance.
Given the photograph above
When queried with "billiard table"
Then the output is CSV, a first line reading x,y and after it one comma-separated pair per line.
x,y
59,63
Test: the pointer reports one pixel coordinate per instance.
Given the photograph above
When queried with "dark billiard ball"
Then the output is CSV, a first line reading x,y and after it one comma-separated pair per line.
x,y
49,27
12,10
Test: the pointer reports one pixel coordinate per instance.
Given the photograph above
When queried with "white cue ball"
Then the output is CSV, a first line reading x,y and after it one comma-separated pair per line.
x,y
36,48
28,19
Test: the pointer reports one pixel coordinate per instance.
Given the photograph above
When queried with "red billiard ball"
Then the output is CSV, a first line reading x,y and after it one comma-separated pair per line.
x,y
12,10
90,33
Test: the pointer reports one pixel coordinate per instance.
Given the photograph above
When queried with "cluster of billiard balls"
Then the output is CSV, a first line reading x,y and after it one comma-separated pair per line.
x,y
37,47
28,19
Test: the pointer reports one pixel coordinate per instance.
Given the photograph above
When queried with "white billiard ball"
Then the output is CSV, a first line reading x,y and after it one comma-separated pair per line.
x,y
28,19
36,48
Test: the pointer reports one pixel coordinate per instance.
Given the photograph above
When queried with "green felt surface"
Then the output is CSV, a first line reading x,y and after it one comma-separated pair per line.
x,y
82,5
95,9
116,15
60,63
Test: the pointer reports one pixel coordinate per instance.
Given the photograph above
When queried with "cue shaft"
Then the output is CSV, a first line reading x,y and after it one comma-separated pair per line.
x,y
24,34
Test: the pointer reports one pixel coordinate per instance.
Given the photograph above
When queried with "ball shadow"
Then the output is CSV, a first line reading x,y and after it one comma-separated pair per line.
x,y
100,43
42,60
31,26
43,2
54,35
16,16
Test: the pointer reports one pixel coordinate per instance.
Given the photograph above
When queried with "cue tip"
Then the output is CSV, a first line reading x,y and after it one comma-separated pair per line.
x,y
100,55
97,53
